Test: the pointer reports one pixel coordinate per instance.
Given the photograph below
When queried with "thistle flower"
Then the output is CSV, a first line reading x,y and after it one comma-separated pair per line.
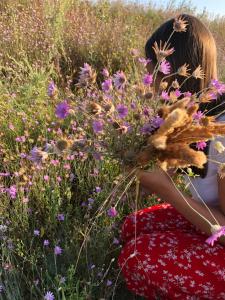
x,y
207,96
218,86
112,212
107,85
97,126
201,145
119,80
12,191
105,72
108,282
165,67
163,85
94,108
86,76
49,296
51,89
148,79
122,110
162,51
179,24
198,73
36,232
183,70
62,110
46,243
60,217
57,250
198,116
165,96
37,155
175,84
98,189
144,61
217,233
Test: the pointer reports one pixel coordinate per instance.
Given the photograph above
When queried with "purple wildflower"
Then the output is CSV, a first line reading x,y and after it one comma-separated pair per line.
x,y
112,212
148,79
147,111
116,241
51,89
107,85
165,67
91,200
122,110
157,121
60,217
46,178
46,243
147,129
1,288
20,139
212,96
62,110
165,96
97,126
119,80
98,189
154,124
178,93
49,296
109,282
218,86
214,237
198,116
36,232
187,94
37,155
86,75
105,72
201,145
57,250
12,191
144,61
5,174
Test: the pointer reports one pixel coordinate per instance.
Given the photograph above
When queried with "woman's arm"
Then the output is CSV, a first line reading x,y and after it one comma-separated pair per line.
x,y
160,183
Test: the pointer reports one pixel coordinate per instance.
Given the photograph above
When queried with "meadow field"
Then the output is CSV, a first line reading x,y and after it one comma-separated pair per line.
x,y
59,229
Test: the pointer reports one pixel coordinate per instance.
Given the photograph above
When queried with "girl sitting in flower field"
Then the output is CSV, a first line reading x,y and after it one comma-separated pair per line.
x,y
167,248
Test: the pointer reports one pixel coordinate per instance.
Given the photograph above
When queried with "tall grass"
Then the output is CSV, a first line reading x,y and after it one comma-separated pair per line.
x,y
41,41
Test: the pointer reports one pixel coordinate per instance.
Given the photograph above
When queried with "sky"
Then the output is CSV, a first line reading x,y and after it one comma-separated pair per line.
x,y
212,6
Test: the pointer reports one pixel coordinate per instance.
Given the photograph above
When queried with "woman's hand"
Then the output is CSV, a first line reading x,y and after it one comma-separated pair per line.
x,y
155,180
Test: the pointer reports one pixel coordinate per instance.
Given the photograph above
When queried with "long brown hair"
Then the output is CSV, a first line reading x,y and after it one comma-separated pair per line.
x,y
196,46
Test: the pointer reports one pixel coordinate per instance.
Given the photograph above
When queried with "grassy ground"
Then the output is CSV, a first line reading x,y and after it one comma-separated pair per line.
x,y
49,40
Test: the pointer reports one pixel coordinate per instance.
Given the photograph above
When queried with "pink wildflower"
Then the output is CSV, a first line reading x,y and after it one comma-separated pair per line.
x,y
214,237
165,67
201,145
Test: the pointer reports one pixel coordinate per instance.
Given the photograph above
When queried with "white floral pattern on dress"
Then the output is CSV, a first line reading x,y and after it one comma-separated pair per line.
x,y
170,258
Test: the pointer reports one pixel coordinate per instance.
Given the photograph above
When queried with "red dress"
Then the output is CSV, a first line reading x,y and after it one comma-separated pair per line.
x,y
169,257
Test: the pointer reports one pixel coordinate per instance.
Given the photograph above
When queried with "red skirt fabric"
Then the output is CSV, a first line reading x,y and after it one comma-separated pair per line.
x,y
167,257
